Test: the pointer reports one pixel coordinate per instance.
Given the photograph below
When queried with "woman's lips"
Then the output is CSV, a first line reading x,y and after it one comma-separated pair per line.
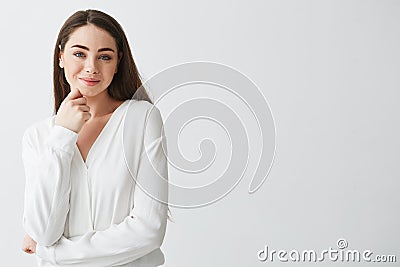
x,y
89,81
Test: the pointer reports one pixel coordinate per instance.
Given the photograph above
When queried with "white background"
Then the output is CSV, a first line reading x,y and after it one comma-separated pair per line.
x,y
330,72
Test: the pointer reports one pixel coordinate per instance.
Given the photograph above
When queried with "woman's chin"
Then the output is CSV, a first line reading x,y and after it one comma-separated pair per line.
x,y
88,93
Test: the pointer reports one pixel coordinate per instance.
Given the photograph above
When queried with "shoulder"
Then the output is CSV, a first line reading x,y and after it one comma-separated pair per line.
x,y
144,110
141,105
144,116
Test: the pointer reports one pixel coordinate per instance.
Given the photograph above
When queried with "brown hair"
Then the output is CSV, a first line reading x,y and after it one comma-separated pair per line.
x,y
126,83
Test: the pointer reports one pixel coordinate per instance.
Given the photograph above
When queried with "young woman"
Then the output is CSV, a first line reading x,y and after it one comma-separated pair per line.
x,y
96,172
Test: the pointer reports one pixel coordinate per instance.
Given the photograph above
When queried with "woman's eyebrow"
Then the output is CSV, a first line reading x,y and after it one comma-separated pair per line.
x,y
100,50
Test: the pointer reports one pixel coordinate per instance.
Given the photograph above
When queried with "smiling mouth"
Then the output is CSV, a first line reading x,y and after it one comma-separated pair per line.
x,y
89,81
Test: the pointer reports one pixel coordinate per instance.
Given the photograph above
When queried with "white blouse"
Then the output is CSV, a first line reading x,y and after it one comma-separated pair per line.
x,y
108,211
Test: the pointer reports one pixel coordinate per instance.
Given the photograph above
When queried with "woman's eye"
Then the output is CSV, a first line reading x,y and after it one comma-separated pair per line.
x,y
79,54
105,57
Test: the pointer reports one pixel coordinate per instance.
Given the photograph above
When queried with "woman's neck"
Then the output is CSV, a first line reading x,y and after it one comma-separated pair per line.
x,y
102,104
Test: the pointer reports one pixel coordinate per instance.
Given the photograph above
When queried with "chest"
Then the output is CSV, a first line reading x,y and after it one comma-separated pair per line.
x,y
89,134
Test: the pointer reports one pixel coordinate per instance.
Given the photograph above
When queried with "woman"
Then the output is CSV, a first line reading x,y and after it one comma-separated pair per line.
x,y
89,169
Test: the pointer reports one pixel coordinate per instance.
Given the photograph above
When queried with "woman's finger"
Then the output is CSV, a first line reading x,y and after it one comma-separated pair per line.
x,y
84,108
79,101
75,93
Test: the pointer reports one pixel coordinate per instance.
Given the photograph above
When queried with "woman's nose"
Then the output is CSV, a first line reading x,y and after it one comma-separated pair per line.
x,y
91,66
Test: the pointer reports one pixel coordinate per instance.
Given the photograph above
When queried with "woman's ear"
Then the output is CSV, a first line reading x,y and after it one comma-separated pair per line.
x,y
61,59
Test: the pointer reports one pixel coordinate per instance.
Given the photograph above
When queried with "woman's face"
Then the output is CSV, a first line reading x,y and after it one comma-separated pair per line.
x,y
90,60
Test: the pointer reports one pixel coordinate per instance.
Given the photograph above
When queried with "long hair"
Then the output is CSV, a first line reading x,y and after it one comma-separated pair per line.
x,y
126,84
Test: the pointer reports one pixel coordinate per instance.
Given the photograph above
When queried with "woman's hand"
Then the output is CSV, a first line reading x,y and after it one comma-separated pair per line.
x,y
29,245
73,112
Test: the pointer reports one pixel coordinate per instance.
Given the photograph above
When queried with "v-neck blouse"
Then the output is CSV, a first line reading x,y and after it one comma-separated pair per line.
x,y
102,132
108,211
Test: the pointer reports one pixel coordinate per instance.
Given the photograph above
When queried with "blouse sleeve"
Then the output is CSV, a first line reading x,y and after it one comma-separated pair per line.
x,y
139,233
47,162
